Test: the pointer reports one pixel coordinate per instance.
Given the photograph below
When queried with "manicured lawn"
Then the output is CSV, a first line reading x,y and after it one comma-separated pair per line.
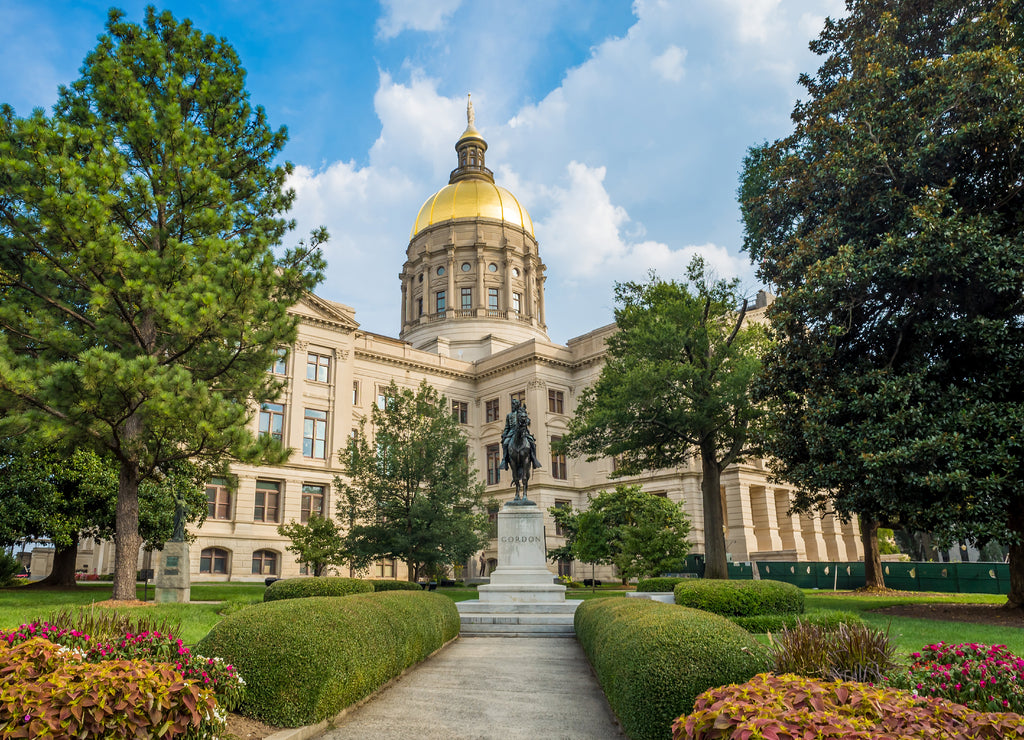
x,y
21,605
910,634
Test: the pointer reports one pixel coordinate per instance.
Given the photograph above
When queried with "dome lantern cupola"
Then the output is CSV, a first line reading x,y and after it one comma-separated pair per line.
x,y
471,147
473,281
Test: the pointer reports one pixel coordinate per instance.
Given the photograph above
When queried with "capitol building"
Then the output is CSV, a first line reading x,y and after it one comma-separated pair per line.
x,y
473,325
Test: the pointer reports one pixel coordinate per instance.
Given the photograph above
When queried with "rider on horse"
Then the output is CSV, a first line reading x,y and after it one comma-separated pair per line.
x,y
517,417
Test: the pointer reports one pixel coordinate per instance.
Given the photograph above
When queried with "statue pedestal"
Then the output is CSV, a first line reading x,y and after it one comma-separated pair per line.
x,y
522,598
172,575
522,573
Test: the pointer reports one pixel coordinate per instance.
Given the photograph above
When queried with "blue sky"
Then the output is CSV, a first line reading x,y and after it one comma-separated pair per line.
x,y
620,126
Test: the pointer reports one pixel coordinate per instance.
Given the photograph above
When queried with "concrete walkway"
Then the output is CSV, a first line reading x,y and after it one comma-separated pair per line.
x,y
512,688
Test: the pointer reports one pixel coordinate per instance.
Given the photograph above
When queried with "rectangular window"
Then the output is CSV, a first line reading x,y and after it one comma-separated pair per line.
x,y
218,499
312,502
460,412
492,299
518,396
491,410
560,504
272,420
493,461
467,299
517,302
318,367
385,569
355,392
492,521
314,434
213,560
268,501
440,301
383,399
419,307
556,402
558,468
264,563
279,365
565,568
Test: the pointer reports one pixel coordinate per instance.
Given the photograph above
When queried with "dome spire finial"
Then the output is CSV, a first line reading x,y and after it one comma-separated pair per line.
x,y
470,116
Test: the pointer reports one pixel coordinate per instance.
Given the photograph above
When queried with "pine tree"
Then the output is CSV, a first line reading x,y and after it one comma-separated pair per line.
x,y
141,301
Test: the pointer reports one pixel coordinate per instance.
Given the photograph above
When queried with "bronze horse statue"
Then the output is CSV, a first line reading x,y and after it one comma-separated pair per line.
x,y
520,458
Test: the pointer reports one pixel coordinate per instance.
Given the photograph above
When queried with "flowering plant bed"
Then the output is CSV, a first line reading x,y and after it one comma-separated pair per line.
x,y
987,678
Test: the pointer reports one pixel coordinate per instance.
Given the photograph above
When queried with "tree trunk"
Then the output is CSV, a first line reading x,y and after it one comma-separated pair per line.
x,y
127,540
715,565
1015,599
63,571
873,575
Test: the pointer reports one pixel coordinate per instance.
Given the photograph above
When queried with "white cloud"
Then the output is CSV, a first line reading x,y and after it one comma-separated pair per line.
x,y
670,64
414,15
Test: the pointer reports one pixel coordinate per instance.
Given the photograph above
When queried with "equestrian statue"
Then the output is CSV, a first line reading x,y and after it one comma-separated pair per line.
x,y
520,449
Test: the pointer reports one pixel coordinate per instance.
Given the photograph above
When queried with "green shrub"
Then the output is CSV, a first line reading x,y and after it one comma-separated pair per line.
x,y
740,598
306,660
48,692
828,619
659,585
301,588
849,653
654,659
794,706
10,566
381,584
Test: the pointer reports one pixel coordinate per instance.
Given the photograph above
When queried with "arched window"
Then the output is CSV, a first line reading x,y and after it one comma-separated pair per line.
x,y
264,563
214,560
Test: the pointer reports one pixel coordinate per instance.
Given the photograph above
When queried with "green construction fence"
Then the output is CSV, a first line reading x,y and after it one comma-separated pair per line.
x,y
974,578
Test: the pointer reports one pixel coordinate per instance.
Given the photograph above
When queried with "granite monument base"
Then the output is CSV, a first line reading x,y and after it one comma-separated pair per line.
x,y
172,575
522,598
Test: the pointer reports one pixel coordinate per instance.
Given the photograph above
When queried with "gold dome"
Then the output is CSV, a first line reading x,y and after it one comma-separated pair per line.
x,y
472,199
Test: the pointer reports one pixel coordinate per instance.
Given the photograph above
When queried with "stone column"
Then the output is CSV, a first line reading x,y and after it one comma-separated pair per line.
x,y
740,539
507,303
406,300
830,531
789,525
541,279
481,266
449,303
814,542
528,298
766,524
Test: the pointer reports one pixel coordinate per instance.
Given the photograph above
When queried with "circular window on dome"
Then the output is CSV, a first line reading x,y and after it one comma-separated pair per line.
x,y
492,267
440,271
466,267
515,272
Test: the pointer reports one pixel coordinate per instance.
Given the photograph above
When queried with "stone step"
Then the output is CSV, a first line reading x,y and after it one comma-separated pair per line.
x,y
534,629
517,619
479,607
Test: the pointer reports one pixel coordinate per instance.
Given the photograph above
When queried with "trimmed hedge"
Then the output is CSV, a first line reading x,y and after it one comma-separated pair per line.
x,y
301,588
829,619
740,598
659,585
380,584
654,659
306,660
